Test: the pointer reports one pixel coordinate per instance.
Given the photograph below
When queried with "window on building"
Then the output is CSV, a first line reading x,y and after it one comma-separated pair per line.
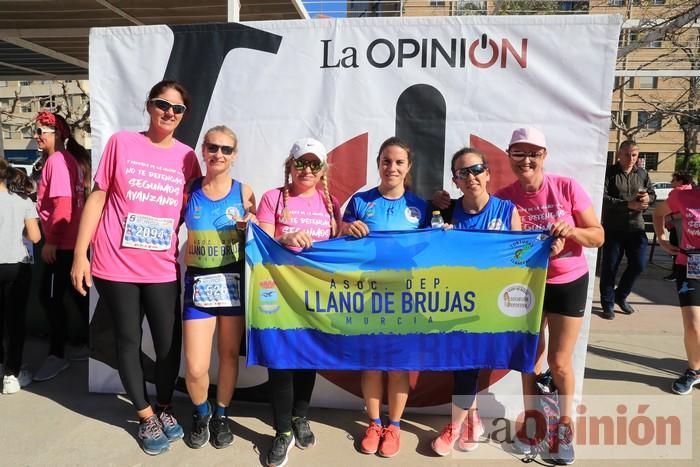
x,y
611,157
437,2
27,133
3,84
649,120
625,82
25,83
654,44
648,82
651,160
48,103
615,118
616,2
658,2
26,108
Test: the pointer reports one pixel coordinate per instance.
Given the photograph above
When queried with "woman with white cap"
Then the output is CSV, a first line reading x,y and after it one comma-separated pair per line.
x,y
297,214
389,206
560,205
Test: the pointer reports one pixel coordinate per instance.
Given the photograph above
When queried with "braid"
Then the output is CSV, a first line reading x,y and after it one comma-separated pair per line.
x,y
329,205
285,190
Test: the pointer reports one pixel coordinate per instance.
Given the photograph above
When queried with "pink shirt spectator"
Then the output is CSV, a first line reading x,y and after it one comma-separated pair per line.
x,y
305,213
61,177
687,202
144,185
557,199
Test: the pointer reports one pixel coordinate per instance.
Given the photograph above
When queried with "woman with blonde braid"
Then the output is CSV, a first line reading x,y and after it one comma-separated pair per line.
x,y
297,214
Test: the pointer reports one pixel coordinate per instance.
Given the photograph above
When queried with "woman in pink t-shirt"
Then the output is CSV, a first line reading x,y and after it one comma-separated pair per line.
x,y
687,268
560,205
297,214
64,180
132,217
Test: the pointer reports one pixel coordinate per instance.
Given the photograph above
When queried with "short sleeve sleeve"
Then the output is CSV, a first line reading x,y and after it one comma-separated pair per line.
x,y
267,206
30,211
56,177
673,201
108,161
350,214
580,200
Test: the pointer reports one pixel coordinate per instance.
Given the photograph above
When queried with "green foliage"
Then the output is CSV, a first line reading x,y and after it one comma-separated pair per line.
x,y
693,165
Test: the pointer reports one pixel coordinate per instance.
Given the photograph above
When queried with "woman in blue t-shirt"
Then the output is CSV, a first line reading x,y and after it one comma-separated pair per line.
x,y
475,210
389,206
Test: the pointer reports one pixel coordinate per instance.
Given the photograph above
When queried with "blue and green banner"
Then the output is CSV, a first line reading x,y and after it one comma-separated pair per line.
x,y
429,299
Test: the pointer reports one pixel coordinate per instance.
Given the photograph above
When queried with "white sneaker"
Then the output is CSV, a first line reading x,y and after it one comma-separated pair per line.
x,y
12,384
77,353
51,367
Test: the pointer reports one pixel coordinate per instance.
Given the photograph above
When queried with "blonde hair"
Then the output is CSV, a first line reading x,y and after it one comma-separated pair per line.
x,y
225,130
326,194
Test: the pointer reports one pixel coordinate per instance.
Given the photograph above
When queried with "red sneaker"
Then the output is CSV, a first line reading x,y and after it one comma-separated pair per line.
x,y
442,445
370,443
390,441
472,430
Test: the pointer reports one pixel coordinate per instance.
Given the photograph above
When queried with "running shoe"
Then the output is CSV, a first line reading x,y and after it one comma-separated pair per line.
x,y
51,367
13,383
221,435
173,431
562,450
302,433
391,441
442,445
153,440
373,435
684,384
279,452
472,430
199,433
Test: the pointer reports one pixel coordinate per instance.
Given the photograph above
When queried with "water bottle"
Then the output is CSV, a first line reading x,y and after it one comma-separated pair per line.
x,y
437,222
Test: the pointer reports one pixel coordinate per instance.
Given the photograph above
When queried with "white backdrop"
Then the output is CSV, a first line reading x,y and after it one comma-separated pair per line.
x,y
562,85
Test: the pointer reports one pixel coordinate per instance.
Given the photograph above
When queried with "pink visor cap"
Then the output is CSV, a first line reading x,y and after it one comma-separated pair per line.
x,y
308,146
528,135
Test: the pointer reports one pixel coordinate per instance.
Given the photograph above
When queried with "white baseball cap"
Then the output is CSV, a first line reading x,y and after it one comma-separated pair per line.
x,y
528,135
308,146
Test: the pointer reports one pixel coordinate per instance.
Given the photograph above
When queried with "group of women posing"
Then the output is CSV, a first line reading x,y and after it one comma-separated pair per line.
x,y
134,268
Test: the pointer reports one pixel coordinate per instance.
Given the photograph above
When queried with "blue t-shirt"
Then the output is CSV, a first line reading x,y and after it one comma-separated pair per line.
x,y
212,238
496,215
379,213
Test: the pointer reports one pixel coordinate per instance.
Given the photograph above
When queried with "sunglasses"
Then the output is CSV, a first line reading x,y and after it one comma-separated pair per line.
x,y
40,131
476,169
521,155
214,148
301,164
164,105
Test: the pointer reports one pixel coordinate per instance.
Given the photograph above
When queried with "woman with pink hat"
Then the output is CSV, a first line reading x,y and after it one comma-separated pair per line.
x,y
560,205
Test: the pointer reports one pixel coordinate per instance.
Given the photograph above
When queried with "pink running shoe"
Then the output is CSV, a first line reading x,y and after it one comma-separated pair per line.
x,y
472,430
442,445
370,443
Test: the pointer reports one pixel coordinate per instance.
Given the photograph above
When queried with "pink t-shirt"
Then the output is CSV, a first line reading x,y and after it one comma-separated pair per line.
x,y
305,213
557,199
687,202
136,238
61,177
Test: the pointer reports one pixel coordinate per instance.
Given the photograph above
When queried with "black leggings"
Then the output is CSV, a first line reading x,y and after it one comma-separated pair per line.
x,y
14,292
128,303
290,394
465,387
55,284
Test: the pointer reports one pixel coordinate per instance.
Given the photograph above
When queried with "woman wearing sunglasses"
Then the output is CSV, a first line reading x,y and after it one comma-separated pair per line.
x,y
217,209
63,183
389,206
297,214
132,218
475,210
560,205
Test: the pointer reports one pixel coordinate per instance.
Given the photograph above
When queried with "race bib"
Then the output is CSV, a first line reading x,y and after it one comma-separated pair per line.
x,y
216,290
693,266
147,232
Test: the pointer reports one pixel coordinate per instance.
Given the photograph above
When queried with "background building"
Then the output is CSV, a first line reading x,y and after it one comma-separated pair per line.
x,y
656,97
